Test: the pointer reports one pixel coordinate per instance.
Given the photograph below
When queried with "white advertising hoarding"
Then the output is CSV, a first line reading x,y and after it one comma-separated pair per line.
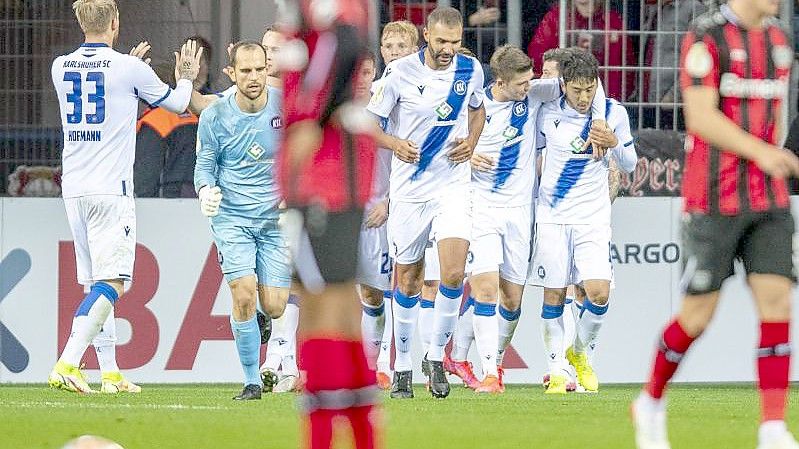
x,y
173,323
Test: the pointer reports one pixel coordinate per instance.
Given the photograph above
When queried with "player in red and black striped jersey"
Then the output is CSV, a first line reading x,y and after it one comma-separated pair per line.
x,y
735,69
325,171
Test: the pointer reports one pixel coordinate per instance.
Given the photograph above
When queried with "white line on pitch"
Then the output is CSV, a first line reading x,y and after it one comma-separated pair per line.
x,y
51,404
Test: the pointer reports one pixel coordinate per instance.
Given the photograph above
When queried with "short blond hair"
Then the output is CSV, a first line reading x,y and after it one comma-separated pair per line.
x,y
508,61
95,16
404,29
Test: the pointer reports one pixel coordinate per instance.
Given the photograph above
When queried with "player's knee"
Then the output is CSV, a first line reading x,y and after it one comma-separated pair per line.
x,y
484,292
511,304
452,277
371,296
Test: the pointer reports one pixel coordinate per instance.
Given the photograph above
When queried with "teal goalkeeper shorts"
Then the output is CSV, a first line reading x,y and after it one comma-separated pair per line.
x,y
244,250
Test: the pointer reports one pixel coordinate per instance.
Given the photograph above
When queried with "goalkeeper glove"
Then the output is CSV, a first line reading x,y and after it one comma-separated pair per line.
x,y
210,198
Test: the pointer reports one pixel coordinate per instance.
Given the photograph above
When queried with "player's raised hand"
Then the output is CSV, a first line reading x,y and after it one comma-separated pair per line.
x,y
377,215
228,70
462,152
140,51
406,151
187,62
210,199
482,162
777,162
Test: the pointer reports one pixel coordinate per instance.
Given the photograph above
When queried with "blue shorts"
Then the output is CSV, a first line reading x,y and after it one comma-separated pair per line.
x,y
246,250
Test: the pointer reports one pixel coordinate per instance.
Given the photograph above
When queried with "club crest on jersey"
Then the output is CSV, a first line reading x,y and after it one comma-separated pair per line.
x,y
783,56
510,132
255,151
577,144
443,110
277,122
519,109
459,87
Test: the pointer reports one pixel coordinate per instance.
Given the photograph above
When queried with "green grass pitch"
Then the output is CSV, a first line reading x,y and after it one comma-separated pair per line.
x,y
204,416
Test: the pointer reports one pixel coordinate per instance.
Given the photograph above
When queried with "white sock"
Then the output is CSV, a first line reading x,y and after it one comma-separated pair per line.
x,y
384,356
406,314
426,320
448,301
89,318
570,316
105,345
464,332
373,323
277,344
552,333
486,335
588,326
771,431
292,315
507,322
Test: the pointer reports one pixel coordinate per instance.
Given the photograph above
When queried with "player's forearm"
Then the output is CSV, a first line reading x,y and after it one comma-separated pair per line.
x,y
703,118
199,102
599,105
626,156
477,118
178,98
382,139
204,169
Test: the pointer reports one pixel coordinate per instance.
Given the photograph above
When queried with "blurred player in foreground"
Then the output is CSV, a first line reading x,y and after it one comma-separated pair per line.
x,y
326,166
735,70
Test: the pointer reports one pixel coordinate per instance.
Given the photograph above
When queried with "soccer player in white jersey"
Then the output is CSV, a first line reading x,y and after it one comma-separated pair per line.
x,y
98,92
503,180
437,96
572,234
575,295
398,39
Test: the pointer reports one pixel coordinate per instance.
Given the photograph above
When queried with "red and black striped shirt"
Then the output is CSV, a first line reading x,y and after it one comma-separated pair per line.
x,y
751,70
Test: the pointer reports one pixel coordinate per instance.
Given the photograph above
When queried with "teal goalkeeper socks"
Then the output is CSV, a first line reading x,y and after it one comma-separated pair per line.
x,y
248,342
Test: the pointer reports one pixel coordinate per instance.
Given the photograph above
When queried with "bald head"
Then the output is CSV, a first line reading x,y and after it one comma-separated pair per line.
x,y
91,442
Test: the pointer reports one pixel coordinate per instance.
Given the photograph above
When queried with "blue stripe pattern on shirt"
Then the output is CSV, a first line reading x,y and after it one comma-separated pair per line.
x,y
438,136
568,178
509,155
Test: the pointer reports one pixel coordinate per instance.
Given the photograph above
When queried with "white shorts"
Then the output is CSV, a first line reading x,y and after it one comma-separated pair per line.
x,y
565,254
412,225
374,261
432,269
104,230
501,241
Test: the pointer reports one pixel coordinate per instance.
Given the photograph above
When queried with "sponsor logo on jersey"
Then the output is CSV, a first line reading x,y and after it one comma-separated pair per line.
x,y
443,110
557,122
732,85
577,144
421,89
510,132
255,151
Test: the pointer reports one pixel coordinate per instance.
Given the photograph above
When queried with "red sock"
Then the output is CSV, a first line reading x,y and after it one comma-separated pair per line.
x,y
675,343
773,369
332,365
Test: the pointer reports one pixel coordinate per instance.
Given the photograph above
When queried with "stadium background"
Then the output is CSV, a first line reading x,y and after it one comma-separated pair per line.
x,y
178,310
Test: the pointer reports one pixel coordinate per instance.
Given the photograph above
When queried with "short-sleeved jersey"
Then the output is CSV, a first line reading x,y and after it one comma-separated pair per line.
x,y
509,137
430,109
236,151
98,93
750,68
574,187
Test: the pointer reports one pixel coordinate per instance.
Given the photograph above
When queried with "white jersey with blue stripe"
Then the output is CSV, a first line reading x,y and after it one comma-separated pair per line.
x,y
98,93
573,188
509,138
380,177
430,108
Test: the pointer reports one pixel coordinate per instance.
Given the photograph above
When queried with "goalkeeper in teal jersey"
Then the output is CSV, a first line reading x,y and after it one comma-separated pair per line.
x,y
235,180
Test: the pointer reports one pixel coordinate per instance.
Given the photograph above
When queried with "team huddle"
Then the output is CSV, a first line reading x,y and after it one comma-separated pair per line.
x,y
479,189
